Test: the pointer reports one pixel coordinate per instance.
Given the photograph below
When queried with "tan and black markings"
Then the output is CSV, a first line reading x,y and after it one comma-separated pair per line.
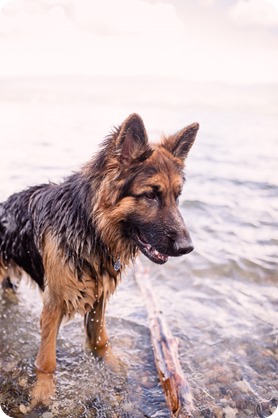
x,y
75,238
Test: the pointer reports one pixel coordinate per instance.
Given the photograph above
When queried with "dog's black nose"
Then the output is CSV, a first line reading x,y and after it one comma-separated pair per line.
x,y
184,246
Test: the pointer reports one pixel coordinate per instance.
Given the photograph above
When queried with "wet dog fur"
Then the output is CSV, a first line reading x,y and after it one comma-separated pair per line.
x,y
75,238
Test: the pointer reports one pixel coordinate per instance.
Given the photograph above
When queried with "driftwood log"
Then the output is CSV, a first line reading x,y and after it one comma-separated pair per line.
x,y
165,346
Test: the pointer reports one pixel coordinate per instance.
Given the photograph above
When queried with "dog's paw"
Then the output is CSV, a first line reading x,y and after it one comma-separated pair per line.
x,y
113,361
107,355
43,389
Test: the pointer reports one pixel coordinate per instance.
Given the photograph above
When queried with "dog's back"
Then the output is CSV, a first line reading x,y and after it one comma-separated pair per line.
x,y
61,211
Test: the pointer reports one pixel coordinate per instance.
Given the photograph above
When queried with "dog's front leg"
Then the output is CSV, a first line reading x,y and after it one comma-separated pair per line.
x,y
95,327
51,318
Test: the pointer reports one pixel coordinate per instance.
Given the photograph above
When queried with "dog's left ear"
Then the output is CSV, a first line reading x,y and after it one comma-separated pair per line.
x,y
180,143
132,140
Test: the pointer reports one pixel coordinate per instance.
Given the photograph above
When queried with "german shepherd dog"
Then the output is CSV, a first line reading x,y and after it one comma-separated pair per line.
x,y
75,238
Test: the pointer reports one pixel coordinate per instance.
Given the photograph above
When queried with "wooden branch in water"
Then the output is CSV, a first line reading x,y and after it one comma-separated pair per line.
x,y
165,347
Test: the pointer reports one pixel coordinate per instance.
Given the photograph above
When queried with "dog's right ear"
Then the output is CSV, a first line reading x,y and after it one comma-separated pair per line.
x,y
131,141
180,143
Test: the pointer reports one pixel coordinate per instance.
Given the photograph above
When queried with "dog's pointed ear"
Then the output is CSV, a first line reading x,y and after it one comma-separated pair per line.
x,y
132,140
180,143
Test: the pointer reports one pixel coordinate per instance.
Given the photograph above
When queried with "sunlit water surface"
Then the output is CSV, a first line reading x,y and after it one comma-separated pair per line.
x,y
220,301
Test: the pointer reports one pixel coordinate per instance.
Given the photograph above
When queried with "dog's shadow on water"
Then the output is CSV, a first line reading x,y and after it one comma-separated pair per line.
x,y
82,385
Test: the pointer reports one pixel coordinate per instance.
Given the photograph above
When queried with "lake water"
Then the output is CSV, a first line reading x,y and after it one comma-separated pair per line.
x,y
220,301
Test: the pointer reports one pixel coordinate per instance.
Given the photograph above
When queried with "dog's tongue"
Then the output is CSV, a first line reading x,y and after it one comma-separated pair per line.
x,y
156,254
151,252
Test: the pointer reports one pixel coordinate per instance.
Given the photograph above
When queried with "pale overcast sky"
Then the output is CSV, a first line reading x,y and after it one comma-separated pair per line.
x,y
202,40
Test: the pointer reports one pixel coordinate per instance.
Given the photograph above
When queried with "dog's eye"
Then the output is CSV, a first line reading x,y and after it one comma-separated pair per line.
x,y
178,198
150,195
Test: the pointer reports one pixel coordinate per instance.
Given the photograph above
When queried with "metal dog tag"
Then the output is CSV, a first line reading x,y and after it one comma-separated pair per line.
x,y
117,265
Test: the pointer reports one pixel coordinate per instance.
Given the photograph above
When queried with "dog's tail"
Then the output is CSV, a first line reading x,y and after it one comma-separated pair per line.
x,y
1,227
5,280
2,231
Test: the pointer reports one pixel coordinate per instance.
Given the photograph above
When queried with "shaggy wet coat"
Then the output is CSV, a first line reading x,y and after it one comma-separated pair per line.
x,y
75,238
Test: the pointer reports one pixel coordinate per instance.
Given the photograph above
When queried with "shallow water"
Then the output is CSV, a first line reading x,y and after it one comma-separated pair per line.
x,y
220,301
85,387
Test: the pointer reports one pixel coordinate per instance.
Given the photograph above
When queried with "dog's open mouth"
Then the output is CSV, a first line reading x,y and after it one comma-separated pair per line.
x,y
150,251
